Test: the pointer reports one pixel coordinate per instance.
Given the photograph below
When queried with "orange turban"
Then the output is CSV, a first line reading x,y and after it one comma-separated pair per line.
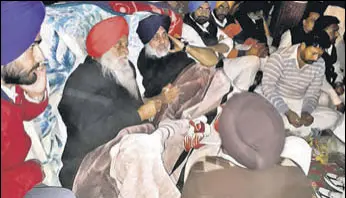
x,y
230,3
105,34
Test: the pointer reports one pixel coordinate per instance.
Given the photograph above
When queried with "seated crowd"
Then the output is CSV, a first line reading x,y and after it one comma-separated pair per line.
x,y
252,102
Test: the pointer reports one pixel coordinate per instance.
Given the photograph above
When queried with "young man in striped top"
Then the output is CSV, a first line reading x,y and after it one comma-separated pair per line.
x,y
292,80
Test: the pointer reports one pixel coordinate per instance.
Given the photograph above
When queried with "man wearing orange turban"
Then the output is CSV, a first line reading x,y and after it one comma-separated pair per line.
x,y
101,96
222,17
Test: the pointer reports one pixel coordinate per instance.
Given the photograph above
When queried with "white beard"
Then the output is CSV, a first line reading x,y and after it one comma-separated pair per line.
x,y
151,52
120,70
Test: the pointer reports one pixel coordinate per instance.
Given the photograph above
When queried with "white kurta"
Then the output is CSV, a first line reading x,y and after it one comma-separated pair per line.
x,y
286,40
241,71
324,117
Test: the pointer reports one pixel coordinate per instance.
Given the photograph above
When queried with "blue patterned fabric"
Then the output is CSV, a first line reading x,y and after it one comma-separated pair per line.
x,y
63,33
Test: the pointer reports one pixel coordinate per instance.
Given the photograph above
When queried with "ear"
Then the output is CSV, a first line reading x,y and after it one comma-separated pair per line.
x,y
303,46
304,22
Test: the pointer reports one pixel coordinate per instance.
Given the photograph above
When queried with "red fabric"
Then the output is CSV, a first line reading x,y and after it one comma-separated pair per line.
x,y
18,176
129,7
233,29
105,34
250,41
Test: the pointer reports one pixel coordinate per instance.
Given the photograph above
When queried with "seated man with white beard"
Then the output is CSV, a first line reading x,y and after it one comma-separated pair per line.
x,y
159,65
101,96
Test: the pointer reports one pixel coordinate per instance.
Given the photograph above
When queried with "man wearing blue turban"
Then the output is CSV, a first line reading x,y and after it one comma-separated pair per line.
x,y
157,62
199,30
23,97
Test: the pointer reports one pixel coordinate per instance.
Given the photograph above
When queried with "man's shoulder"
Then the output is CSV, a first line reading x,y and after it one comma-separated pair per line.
x,y
287,32
187,27
287,52
88,67
84,74
320,64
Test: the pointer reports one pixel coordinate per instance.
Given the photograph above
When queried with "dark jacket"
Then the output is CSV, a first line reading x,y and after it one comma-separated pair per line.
x,y
94,109
209,38
251,29
213,177
158,72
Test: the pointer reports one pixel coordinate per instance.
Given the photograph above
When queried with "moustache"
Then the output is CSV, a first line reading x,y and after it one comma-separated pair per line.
x,y
37,65
202,20
221,15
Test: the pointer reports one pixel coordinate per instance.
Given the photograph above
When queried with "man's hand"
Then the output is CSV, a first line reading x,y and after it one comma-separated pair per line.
x,y
37,89
293,118
340,107
259,50
306,119
220,48
178,45
149,109
169,94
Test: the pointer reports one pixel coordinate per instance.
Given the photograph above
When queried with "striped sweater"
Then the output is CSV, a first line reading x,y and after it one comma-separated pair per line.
x,y
282,78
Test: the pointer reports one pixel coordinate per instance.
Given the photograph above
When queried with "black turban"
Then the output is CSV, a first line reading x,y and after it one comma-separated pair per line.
x,y
325,21
148,27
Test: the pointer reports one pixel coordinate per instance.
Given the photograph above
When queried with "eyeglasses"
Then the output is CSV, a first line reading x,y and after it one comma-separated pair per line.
x,y
36,43
158,37
204,10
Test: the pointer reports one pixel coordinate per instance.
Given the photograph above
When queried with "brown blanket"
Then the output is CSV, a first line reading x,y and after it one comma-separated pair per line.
x,y
132,164
104,175
193,83
93,177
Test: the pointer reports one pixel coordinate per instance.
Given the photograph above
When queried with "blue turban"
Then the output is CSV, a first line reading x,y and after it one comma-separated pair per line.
x,y
193,5
148,27
20,24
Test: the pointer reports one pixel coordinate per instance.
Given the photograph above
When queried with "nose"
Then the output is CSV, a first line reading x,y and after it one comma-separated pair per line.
x,y
126,51
205,12
316,57
38,54
161,40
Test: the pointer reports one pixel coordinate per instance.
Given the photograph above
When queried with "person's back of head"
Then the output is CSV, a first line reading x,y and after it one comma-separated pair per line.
x,y
251,131
318,38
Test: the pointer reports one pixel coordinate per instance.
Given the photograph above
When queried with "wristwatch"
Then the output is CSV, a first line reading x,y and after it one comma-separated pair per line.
x,y
185,45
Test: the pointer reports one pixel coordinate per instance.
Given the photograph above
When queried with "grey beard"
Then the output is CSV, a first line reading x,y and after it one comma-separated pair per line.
x,y
151,52
11,74
119,71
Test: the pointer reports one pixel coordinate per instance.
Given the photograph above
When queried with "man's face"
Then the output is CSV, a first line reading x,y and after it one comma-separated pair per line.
x,y
222,11
309,22
256,15
202,14
22,70
160,42
120,50
333,32
310,54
